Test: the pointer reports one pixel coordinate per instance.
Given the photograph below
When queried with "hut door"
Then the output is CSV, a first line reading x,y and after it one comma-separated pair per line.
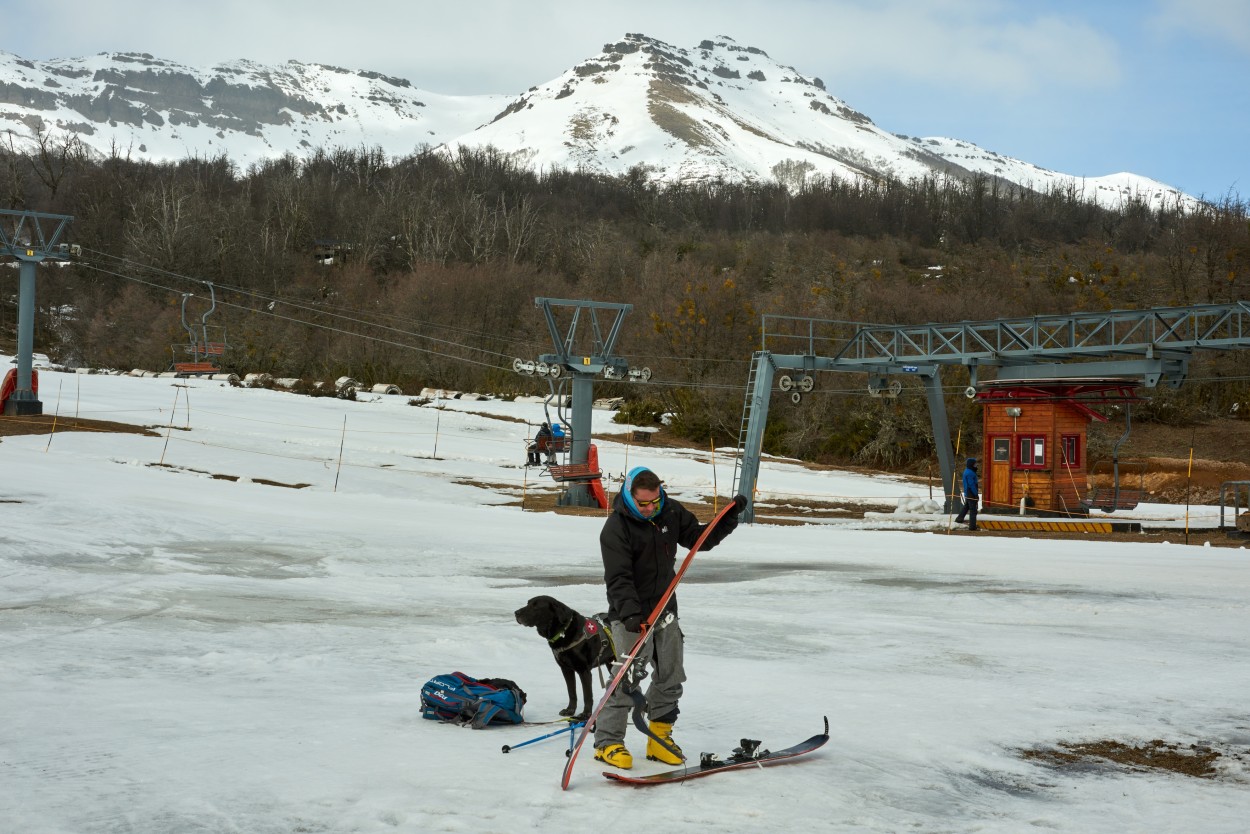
x,y
998,490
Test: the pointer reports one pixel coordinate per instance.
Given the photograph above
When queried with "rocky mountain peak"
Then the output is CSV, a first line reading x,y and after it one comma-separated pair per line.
x,y
718,110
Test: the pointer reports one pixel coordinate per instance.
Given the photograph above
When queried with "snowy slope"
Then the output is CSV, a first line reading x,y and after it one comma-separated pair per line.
x,y
156,109
720,110
188,645
1111,190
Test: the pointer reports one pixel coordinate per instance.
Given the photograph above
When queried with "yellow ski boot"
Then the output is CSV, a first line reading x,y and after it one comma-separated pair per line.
x,y
656,751
615,755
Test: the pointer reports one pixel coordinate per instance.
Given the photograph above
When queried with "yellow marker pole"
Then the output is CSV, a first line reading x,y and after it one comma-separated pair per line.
x,y
170,427
342,441
55,415
438,417
1189,477
715,490
950,518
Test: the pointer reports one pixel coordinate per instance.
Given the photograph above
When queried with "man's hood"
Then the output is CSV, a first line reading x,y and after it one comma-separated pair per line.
x,y
627,496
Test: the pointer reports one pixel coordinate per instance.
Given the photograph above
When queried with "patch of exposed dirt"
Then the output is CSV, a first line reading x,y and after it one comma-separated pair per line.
x,y
14,426
1196,538
1156,458
501,417
216,476
1196,760
543,498
800,511
660,98
1171,480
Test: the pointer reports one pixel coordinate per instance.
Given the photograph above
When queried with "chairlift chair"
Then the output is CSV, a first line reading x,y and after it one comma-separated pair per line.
x,y
562,443
205,346
1121,494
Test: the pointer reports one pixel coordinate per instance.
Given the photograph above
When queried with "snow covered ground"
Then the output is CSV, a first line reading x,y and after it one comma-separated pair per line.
x,y
187,653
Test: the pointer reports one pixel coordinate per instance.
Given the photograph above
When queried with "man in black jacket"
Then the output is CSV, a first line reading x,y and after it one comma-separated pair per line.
x,y
639,543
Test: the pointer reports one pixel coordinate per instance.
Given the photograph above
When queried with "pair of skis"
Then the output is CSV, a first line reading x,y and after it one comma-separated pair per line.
x,y
643,639
748,755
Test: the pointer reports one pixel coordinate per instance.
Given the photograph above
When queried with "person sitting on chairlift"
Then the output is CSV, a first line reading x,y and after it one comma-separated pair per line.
x,y
541,447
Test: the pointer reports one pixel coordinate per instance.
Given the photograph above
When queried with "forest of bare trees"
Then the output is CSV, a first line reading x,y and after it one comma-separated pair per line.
x,y
422,270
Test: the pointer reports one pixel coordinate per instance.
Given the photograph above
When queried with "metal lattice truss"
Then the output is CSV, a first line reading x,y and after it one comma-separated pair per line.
x,y
33,235
595,353
1119,350
1160,333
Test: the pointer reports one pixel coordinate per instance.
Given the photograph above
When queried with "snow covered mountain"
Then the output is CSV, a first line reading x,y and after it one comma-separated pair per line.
x,y
154,109
717,111
1107,190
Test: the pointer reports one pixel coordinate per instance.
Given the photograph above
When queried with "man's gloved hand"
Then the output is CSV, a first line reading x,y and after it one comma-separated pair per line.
x,y
740,504
634,623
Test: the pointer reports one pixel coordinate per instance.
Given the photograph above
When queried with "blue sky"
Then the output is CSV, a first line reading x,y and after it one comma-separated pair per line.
x,y
1157,87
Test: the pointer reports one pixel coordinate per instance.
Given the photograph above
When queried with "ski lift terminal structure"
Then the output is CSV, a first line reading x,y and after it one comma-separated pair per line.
x,y
31,237
1107,355
581,360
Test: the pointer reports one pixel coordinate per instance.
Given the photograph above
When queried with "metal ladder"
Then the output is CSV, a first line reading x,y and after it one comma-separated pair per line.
x,y
746,420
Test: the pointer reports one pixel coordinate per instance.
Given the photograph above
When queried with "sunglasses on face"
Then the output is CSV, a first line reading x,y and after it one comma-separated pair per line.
x,y
654,502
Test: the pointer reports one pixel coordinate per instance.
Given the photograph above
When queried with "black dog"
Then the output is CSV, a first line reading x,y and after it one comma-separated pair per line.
x,y
579,643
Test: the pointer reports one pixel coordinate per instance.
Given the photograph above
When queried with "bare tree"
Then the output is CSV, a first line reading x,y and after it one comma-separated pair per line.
x,y
55,156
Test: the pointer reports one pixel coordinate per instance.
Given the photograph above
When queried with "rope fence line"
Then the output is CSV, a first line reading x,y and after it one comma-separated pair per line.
x,y
523,482
164,416
764,497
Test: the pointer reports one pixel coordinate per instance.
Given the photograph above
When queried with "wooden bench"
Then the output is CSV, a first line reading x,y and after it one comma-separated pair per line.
x,y
205,348
574,472
195,368
1104,498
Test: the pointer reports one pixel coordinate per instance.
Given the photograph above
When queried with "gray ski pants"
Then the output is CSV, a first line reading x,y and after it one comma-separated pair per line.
x,y
665,653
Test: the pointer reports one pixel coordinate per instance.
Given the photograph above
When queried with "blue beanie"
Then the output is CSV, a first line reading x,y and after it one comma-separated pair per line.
x,y
627,494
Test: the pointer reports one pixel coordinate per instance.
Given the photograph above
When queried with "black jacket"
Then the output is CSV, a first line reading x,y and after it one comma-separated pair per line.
x,y
640,557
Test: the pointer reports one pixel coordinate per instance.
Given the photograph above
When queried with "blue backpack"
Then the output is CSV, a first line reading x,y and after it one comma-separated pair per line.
x,y
460,699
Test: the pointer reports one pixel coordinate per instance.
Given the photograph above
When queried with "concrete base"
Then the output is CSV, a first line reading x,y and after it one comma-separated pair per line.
x,y
576,495
22,408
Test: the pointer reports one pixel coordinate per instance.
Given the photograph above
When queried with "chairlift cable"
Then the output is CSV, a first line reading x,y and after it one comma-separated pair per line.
x,y
326,327
322,309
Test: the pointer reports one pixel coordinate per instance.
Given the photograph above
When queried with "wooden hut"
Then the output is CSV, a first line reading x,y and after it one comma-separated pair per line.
x,y
1034,441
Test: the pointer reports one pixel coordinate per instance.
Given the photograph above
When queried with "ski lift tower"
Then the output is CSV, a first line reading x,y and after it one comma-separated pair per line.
x,y
1099,357
582,360
30,243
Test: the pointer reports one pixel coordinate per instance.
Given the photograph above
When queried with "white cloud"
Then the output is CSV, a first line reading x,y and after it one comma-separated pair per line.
x,y
990,46
976,46
1226,21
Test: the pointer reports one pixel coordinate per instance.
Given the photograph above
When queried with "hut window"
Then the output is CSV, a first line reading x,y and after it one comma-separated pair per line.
x,y
1071,449
1032,452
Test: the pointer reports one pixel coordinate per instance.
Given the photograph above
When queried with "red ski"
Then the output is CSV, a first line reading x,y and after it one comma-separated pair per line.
x,y
638,644
747,756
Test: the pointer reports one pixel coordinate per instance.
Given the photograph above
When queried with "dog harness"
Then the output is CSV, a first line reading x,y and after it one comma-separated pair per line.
x,y
590,627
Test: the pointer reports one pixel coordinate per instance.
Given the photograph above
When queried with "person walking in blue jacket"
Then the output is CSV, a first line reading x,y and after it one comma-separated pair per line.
x,y
971,495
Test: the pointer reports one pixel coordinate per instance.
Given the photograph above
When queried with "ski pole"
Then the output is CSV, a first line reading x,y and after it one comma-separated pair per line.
x,y
570,728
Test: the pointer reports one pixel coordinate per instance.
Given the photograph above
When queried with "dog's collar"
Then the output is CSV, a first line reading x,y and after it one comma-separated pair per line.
x,y
560,634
